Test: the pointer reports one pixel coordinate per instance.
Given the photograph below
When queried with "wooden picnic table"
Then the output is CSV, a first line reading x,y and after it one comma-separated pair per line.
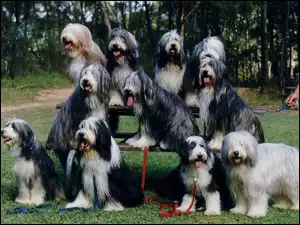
x,y
126,111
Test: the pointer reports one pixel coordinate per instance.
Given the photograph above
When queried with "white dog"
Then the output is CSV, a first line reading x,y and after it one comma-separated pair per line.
x,y
259,171
79,45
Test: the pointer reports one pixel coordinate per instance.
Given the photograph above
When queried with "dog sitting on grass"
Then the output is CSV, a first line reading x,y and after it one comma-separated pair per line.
x,y
33,167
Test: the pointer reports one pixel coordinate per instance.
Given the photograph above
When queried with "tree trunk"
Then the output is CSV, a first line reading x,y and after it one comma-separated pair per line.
x,y
182,24
170,15
13,64
130,16
158,19
264,47
283,46
105,19
122,8
298,35
149,27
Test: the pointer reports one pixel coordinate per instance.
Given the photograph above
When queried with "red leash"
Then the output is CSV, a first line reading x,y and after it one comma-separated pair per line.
x,y
163,205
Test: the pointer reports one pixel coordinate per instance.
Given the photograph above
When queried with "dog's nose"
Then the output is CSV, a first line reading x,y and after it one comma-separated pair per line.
x,y
85,82
236,153
173,45
80,135
199,157
205,72
115,46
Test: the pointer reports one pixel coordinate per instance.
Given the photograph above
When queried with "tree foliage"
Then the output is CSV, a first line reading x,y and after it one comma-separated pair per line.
x,y
256,34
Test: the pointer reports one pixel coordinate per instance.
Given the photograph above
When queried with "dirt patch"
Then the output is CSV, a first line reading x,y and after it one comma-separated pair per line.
x,y
49,97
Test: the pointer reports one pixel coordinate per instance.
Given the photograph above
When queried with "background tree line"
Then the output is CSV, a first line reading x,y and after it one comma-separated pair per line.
x,y
261,37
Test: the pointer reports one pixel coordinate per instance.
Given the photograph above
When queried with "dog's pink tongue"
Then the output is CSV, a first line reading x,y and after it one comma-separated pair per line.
x,y
197,164
206,80
117,53
130,101
67,46
6,139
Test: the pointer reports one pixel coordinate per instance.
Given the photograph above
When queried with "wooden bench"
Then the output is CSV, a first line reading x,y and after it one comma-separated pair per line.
x,y
126,111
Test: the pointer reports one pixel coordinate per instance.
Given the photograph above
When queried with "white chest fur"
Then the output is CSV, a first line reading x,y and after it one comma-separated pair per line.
x,y
95,166
120,74
170,77
97,108
205,97
199,176
24,169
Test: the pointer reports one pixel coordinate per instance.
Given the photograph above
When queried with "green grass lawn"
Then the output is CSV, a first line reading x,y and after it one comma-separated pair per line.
x,y
26,87
278,127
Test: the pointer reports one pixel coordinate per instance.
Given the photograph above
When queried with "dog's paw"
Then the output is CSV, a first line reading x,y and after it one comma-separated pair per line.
x,y
140,143
215,145
239,210
22,200
185,208
37,201
130,141
295,207
256,214
212,212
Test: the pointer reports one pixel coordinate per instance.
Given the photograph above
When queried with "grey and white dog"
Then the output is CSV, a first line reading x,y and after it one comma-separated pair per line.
x,y
90,98
208,48
164,117
79,45
221,109
34,169
170,62
261,171
123,54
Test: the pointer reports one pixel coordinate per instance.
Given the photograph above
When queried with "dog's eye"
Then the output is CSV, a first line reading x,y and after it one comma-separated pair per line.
x,y
202,146
122,38
210,64
192,145
13,126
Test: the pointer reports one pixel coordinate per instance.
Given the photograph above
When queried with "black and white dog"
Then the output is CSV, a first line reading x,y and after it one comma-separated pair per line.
x,y
210,47
123,55
103,169
170,62
90,97
164,117
78,43
221,109
201,167
34,169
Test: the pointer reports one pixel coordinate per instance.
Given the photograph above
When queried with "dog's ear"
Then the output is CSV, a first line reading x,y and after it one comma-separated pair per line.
x,y
26,134
103,141
225,151
251,147
220,69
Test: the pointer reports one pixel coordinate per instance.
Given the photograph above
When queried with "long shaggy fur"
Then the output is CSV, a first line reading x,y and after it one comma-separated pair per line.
x,y
101,161
90,97
170,62
79,45
261,171
221,109
163,116
123,55
34,169
209,48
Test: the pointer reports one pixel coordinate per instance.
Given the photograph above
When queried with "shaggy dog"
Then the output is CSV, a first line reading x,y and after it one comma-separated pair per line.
x,y
80,47
123,55
261,171
104,170
33,167
201,167
209,48
170,62
90,97
221,109
163,116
